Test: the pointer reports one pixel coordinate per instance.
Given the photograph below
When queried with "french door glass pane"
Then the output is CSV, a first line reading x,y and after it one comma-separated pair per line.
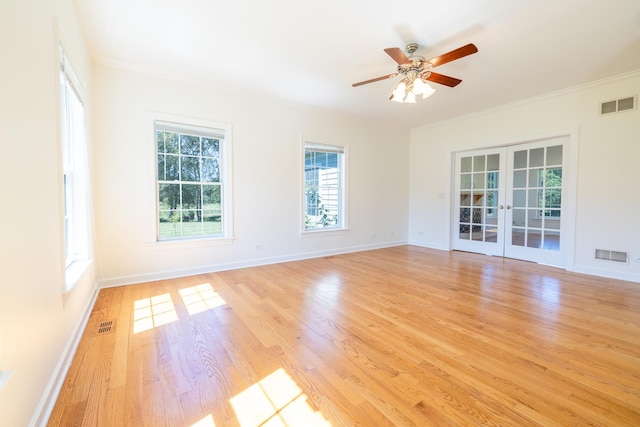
x,y
537,186
479,179
465,164
554,155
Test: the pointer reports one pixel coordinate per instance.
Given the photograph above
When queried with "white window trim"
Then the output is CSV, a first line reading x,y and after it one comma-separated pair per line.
x,y
227,188
328,231
74,270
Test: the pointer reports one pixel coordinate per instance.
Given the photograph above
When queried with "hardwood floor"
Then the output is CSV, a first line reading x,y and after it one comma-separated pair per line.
x,y
400,336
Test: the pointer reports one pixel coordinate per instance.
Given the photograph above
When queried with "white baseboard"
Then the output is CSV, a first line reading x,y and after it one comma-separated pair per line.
x,y
211,268
431,245
602,272
50,395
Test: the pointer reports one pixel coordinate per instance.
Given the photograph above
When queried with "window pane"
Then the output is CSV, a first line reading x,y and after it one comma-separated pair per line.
x,y
535,198
553,177
170,225
161,167
534,239
465,215
169,196
191,196
552,240
520,159
190,145
493,162
478,163
477,216
465,198
465,181
520,179
535,177
517,237
553,198
552,220
492,179
190,168
534,219
519,217
212,224
210,170
536,157
172,168
167,142
464,231
554,155
211,197
478,180
465,164
478,232
519,198
210,147
492,198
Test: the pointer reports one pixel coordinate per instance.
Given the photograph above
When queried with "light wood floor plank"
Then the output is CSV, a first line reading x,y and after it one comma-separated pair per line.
x,y
403,336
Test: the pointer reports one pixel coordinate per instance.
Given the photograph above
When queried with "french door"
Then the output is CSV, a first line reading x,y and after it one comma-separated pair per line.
x,y
508,201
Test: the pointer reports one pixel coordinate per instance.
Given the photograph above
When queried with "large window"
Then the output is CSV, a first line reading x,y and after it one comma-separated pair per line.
x,y
190,181
75,175
323,187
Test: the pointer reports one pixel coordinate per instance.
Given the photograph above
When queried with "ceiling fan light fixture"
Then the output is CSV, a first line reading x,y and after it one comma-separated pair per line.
x,y
400,92
409,87
410,98
416,71
422,87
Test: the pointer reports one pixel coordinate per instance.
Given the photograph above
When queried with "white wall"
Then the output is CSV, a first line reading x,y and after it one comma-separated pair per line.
x,y
607,205
37,323
266,178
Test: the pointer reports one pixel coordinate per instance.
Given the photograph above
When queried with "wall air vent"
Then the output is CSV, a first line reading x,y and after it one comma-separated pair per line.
x,y
616,256
623,104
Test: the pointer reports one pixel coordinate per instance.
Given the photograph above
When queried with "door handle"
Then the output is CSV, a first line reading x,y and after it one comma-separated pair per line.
x,y
508,206
501,207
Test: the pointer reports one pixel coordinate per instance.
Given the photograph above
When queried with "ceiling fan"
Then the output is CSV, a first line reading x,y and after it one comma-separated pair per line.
x,y
417,71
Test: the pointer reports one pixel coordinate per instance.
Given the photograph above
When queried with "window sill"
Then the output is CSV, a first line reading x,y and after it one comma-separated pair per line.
x,y
189,243
324,232
4,378
74,273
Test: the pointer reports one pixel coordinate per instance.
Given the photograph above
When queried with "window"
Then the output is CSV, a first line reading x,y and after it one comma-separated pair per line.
x,y
323,187
75,175
190,181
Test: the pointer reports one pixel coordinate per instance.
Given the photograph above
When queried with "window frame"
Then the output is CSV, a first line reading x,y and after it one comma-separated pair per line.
x,y
225,163
75,184
343,151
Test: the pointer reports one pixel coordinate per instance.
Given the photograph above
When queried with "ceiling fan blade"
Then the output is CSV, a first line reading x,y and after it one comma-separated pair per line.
x,y
461,52
398,55
443,80
377,79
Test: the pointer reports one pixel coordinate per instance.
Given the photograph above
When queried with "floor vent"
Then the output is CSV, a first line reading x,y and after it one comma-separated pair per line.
x,y
618,105
616,256
106,327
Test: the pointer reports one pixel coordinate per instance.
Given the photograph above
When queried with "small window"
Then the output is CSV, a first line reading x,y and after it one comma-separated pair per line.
x,y
324,193
75,174
190,181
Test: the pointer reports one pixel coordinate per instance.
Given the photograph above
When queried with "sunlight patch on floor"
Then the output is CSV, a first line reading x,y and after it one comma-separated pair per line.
x,y
151,312
201,298
276,400
205,422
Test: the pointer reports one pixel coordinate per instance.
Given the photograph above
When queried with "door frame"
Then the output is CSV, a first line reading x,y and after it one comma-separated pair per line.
x,y
570,179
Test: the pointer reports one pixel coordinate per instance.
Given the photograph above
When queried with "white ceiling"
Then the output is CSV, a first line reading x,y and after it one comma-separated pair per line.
x,y
312,51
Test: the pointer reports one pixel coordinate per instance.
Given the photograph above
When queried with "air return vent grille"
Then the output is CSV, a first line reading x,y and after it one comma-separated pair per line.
x,y
623,104
616,256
